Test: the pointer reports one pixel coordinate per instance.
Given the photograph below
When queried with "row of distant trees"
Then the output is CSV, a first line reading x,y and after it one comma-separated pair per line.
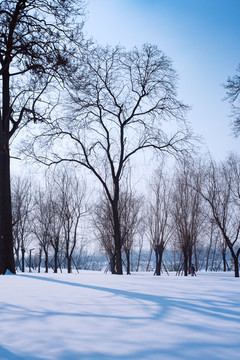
x,y
187,217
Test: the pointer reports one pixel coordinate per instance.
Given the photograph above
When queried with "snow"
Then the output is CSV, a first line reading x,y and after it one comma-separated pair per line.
x,y
92,315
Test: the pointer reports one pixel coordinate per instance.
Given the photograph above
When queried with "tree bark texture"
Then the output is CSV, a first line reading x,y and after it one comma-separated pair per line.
x,y
6,237
117,236
158,254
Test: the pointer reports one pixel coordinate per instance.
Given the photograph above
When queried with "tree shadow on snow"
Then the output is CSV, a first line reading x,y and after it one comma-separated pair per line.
x,y
213,308
224,309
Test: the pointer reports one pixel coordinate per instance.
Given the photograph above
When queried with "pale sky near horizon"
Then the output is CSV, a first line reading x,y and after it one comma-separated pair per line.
x,y
202,39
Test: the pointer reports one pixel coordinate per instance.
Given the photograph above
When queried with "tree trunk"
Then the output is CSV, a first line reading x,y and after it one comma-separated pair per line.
x,y
55,260
208,255
139,258
17,258
39,260
128,261
159,254
117,238
196,256
236,266
224,260
6,237
23,260
157,268
189,255
113,264
185,263
213,256
69,264
46,261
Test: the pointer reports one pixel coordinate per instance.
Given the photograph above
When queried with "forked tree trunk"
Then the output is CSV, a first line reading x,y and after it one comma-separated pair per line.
x,y
159,255
234,255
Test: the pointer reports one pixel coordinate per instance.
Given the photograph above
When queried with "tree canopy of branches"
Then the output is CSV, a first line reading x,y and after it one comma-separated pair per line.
x,y
159,216
38,38
102,221
130,218
72,200
187,213
232,87
221,189
123,102
22,207
59,208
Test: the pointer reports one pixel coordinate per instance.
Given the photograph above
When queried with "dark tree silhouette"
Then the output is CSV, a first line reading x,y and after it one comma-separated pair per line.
x,y
219,185
22,207
38,38
130,218
73,207
187,213
160,229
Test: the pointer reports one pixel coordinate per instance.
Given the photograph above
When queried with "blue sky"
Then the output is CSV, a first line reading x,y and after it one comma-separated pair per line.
x,y
202,39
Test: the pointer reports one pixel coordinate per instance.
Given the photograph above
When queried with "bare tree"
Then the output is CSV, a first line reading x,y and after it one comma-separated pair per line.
x,y
55,227
187,213
214,245
37,41
140,243
130,218
103,224
159,218
42,224
73,206
232,87
212,240
220,189
22,205
48,226
123,102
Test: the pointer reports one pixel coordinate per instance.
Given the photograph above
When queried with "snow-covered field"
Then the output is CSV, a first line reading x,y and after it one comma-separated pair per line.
x,y
92,315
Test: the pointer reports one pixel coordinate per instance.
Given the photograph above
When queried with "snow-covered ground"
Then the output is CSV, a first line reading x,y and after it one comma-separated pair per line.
x,y
92,315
